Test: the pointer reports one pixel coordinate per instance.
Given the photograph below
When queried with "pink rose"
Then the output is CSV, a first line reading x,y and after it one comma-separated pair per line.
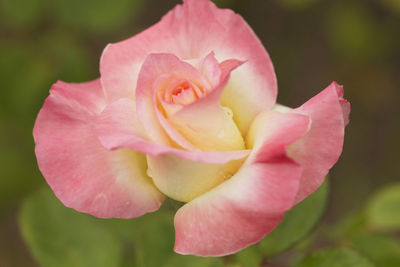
x,y
186,109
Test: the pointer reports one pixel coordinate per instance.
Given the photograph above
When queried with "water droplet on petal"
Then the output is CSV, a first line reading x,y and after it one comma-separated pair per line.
x,y
149,173
225,175
221,133
228,111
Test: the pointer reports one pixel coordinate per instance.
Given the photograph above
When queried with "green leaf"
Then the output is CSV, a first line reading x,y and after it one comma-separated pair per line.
x,y
155,243
250,256
18,169
59,236
192,261
348,228
383,210
298,222
382,250
149,240
335,257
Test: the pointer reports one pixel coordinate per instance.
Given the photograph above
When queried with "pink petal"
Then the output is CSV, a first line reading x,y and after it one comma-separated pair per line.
x,y
343,103
155,67
191,31
200,122
211,69
82,173
320,149
87,96
176,137
205,123
242,210
117,128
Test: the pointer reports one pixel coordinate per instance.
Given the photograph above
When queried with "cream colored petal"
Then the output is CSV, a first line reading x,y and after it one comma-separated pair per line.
x,y
183,179
209,129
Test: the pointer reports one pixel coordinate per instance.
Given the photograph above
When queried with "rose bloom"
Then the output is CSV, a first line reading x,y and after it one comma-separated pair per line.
x,y
187,109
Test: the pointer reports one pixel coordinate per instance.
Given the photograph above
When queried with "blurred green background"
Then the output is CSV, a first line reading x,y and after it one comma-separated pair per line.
x,y
311,43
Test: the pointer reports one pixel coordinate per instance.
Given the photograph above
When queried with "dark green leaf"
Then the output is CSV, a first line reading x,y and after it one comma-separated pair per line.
x,y
297,223
59,236
156,242
150,240
382,250
383,211
250,256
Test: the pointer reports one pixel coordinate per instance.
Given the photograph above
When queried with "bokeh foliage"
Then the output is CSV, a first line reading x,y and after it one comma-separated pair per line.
x,y
63,237
311,42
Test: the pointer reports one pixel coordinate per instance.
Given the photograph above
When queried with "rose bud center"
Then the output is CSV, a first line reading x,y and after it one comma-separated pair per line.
x,y
182,92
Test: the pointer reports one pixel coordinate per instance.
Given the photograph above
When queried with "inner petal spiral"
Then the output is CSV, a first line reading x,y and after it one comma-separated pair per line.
x,y
182,102
182,91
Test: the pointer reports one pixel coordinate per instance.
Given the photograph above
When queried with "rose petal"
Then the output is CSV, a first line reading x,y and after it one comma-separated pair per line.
x,y
208,125
185,32
210,68
87,96
343,103
82,173
155,67
204,123
184,180
175,137
242,210
320,149
117,128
